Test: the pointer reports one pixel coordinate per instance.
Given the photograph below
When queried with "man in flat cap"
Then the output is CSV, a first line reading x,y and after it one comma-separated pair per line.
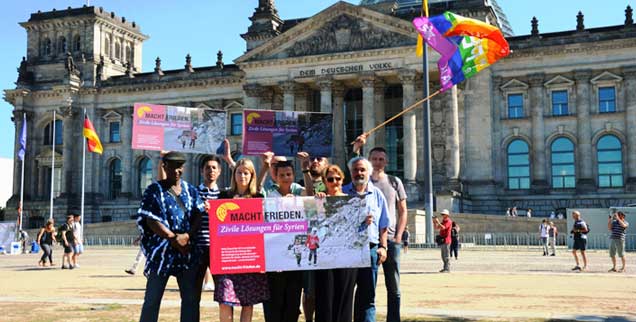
x,y
169,214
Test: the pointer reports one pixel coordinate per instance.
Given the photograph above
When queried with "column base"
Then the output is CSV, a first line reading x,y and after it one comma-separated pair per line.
x,y
449,199
630,184
584,185
413,190
540,186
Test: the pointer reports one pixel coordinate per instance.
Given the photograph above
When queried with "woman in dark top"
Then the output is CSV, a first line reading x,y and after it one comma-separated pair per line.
x,y
242,290
46,238
334,287
454,248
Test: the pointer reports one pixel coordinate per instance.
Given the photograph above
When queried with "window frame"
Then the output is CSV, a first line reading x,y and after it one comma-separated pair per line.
x,y
554,164
115,184
600,101
509,107
567,102
110,132
599,163
47,139
519,179
233,125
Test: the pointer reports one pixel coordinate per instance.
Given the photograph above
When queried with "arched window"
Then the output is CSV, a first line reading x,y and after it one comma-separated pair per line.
x,y
46,47
115,178
563,170
518,165
610,162
145,175
61,45
59,133
117,50
77,43
107,46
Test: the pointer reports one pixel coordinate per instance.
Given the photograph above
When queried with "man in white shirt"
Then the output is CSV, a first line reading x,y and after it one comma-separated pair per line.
x,y
78,248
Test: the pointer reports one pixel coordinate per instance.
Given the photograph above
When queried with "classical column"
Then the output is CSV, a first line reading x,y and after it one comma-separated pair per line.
x,y
408,124
267,98
251,100
630,119
452,139
19,120
539,180
128,168
289,89
380,115
368,114
301,92
419,129
497,130
338,142
584,131
325,85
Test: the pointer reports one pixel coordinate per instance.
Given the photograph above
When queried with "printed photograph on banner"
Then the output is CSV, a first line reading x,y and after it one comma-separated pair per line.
x,y
177,128
287,133
334,234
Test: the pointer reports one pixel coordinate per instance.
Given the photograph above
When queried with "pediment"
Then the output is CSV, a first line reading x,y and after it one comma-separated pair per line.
x,y
44,157
203,106
606,77
233,105
514,85
112,116
343,27
559,81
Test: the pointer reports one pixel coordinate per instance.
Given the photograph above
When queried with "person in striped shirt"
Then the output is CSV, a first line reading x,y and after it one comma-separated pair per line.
x,y
617,225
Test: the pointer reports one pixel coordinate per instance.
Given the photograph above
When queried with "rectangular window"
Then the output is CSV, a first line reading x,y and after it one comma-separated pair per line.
x,y
559,103
515,106
606,99
114,132
237,123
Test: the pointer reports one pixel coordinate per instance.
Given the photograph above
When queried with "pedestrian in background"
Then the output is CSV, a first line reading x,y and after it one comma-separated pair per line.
x,y
46,238
78,232
68,241
579,232
543,235
454,247
444,238
553,233
617,225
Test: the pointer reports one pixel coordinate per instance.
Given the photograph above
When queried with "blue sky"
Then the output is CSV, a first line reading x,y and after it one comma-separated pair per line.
x,y
202,27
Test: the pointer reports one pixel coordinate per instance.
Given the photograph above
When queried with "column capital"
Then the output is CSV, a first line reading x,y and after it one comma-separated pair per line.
x,y
252,89
289,87
583,74
378,86
407,76
267,95
367,79
338,89
325,83
536,80
300,90
629,71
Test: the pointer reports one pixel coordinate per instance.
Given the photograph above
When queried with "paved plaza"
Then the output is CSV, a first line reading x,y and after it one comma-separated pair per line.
x,y
486,284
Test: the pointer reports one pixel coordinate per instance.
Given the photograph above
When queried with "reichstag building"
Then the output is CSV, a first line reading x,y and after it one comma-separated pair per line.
x,y
549,127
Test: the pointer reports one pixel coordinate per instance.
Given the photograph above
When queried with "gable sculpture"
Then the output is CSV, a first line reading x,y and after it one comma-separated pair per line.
x,y
346,33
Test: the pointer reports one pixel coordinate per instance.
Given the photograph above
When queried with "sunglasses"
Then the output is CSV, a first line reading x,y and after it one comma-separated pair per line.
x,y
334,179
316,158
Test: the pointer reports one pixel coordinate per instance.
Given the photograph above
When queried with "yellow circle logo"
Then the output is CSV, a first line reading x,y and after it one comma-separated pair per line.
x,y
252,116
221,212
143,110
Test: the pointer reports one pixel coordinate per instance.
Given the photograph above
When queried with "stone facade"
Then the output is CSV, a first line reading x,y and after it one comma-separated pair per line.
x,y
358,63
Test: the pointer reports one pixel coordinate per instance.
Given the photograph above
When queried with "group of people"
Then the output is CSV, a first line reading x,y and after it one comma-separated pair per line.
x,y
513,212
173,222
69,235
548,233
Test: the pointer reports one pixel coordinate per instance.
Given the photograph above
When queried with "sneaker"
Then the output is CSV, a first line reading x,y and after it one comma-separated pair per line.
x,y
130,271
612,270
576,268
444,271
76,266
208,287
553,255
71,267
64,267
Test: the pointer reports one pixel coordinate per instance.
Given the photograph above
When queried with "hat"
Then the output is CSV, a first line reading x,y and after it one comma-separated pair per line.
x,y
444,212
177,157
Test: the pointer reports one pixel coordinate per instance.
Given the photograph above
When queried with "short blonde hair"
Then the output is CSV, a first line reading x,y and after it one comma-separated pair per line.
x,y
332,168
249,165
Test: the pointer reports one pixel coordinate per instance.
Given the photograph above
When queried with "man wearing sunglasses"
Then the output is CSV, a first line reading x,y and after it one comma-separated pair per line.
x,y
378,222
314,166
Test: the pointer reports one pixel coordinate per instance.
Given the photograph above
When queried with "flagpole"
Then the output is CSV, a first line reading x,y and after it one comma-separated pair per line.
x,y
83,177
22,178
428,179
52,167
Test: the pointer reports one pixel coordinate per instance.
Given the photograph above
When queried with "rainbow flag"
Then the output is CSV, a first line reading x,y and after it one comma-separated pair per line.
x,y
466,46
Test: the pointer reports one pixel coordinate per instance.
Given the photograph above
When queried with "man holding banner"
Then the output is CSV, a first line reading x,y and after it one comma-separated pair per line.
x,y
376,224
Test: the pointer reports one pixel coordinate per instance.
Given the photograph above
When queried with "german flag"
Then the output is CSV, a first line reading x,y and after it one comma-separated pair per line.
x,y
94,145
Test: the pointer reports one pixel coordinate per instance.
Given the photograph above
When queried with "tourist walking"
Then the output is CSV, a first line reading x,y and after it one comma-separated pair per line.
x,y
543,235
454,246
579,232
444,238
405,239
68,241
46,238
140,254
617,225
553,233
169,214
78,247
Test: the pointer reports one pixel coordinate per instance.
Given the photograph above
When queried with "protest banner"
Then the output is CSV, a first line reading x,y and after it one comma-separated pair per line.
x,y
287,133
286,234
176,128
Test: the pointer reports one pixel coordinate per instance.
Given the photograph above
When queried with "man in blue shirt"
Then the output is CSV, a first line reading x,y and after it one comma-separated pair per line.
x,y
169,214
377,222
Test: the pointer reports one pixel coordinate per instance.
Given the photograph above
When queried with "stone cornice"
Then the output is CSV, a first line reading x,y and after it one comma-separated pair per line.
x,y
573,49
315,22
180,84
326,58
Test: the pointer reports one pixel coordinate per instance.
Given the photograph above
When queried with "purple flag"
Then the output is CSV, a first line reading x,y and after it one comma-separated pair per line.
x,y
23,140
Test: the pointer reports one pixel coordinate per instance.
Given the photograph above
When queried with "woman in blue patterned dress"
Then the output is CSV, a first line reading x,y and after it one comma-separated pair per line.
x,y
242,290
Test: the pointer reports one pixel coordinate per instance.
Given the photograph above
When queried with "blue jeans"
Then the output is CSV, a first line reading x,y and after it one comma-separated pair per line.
x,y
155,287
391,268
364,308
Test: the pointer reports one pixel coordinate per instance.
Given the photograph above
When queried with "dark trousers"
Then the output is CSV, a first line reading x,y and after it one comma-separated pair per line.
x,y
313,254
156,285
334,294
47,252
366,280
204,263
284,296
391,268
454,248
